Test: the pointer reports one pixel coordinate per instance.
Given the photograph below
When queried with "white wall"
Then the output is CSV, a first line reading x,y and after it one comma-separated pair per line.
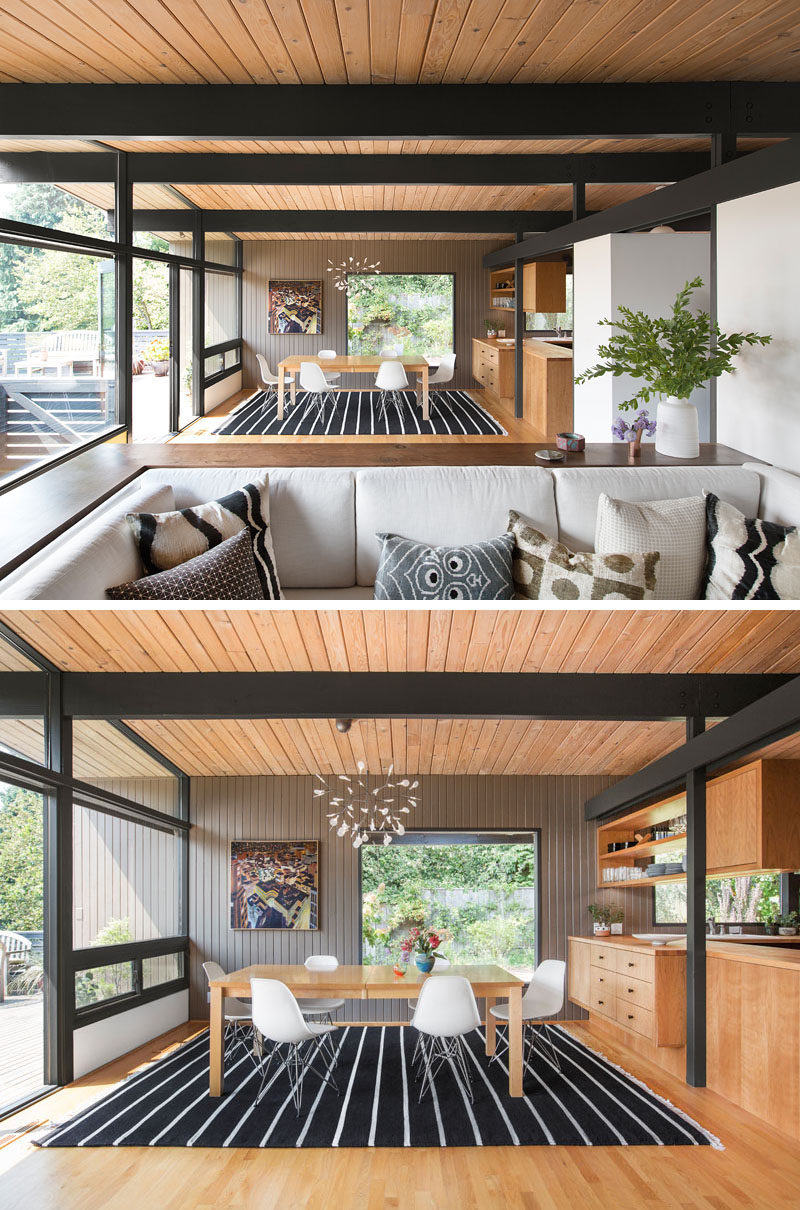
x,y
644,272
218,392
758,290
96,1044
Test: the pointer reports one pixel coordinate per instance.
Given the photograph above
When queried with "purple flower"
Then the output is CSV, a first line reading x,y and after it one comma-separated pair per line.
x,y
627,432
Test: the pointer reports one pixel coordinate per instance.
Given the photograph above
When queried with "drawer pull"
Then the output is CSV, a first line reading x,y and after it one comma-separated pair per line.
x,y
601,957
631,964
630,1016
630,989
601,1001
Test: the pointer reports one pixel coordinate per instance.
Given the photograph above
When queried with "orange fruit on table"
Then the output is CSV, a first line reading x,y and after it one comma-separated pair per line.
x,y
398,970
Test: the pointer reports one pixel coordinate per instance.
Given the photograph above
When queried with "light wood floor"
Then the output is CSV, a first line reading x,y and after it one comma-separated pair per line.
x,y
201,430
759,1168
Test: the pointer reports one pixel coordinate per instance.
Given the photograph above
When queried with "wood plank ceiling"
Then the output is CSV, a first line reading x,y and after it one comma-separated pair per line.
x,y
416,640
404,42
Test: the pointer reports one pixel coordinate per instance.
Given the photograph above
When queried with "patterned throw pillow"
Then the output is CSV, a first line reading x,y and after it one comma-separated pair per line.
x,y
413,571
749,559
166,540
544,570
227,572
675,528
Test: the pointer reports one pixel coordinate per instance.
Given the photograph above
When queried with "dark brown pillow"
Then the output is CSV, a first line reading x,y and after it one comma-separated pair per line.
x,y
227,572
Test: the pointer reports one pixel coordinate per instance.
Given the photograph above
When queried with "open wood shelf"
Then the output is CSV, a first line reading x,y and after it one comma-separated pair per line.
x,y
646,848
632,882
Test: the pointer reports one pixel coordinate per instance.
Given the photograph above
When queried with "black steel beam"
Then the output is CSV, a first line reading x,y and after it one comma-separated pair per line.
x,y
628,167
423,221
388,111
754,173
23,694
695,916
43,167
774,717
134,695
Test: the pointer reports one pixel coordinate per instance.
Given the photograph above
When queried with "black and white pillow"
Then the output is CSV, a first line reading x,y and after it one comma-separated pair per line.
x,y
166,540
749,559
414,571
226,572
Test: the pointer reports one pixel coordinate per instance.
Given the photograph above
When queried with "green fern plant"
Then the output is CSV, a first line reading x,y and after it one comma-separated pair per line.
x,y
674,355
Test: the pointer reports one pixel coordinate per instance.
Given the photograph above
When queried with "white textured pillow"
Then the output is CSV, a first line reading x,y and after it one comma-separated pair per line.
x,y
675,528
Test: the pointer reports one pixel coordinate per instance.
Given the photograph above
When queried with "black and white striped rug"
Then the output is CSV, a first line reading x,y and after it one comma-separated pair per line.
x,y
356,414
591,1103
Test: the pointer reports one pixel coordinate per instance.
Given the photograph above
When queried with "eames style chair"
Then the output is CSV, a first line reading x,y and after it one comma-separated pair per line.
x,y
444,374
391,380
277,1017
321,1007
270,380
316,386
328,355
236,1014
544,997
446,1011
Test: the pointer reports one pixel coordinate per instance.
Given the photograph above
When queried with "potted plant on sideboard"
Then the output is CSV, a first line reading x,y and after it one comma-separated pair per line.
x,y
604,915
787,924
674,355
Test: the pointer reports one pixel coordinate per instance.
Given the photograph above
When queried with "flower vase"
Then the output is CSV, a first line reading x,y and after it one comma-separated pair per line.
x,y
423,963
635,447
677,434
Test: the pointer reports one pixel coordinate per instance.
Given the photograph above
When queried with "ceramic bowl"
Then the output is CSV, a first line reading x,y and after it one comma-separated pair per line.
x,y
574,443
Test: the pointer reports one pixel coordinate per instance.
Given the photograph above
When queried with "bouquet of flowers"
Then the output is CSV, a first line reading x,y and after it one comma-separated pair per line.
x,y
634,431
424,942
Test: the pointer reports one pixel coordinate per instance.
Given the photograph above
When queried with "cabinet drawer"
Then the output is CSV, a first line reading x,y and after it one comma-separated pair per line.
x,y
603,982
605,956
638,965
489,355
635,991
630,1016
603,1003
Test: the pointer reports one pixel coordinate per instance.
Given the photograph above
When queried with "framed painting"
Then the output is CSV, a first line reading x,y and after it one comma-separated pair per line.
x,y
295,307
275,884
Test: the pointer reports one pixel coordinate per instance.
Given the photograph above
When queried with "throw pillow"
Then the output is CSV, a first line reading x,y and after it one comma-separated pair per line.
x,y
227,572
166,540
749,559
545,570
675,528
414,571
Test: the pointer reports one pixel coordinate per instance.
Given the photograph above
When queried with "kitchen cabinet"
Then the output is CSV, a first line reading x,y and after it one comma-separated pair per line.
x,y
753,818
633,986
544,286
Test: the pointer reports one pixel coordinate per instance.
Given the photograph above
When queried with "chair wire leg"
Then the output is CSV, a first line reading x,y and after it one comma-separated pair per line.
x,y
547,1046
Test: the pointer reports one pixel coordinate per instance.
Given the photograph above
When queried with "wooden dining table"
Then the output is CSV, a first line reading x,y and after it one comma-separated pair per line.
x,y
357,364
371,983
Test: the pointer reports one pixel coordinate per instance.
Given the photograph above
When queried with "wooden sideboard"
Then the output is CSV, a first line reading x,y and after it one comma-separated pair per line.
x,y
547,382
493,368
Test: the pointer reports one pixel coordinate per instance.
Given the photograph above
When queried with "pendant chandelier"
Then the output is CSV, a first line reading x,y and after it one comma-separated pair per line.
x,y
360,811
353,265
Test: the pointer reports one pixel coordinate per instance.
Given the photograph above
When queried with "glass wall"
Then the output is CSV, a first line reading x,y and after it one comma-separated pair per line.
x,y
77,209
22,923
222,309
57,365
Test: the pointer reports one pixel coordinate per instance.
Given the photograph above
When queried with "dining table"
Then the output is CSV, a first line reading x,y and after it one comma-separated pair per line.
x,y
488,982
362,363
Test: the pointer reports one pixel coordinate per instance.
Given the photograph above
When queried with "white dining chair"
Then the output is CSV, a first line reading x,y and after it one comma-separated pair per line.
x,y
439,964
236,1015
444,374
388,352
446,1012
270,380
328,355
316,386
391,380
321,1007
544,997
277,1017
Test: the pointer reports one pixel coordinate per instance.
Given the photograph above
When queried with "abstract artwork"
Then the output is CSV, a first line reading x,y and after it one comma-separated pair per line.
x,y
274,884
295,307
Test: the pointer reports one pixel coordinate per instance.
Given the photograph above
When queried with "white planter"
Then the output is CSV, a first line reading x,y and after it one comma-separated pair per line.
x,y
677,433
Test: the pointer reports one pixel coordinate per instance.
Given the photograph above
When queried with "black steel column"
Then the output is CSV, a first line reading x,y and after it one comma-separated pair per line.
x,y
198,315
578,200
174,346
723,149
59,997
519,336
696,917
123,303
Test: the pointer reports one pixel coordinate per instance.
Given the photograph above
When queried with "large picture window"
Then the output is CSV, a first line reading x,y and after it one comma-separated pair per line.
x,y
740,900
479,891
409,313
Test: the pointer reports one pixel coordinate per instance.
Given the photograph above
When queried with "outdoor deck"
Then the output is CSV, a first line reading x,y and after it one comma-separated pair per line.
x,y
20,1047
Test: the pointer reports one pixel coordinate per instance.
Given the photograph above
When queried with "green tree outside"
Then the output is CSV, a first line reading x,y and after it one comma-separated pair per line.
x,y
21,860
410,311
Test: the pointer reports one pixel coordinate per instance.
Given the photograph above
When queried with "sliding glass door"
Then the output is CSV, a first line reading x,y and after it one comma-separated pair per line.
x,y
22,949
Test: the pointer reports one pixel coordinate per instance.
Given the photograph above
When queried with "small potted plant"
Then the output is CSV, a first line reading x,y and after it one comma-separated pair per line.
x,y
156,353
423,943
491,326
787,924
604,915
633,432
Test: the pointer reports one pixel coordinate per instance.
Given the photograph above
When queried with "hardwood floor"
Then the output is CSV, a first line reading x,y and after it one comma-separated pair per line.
x,y
758,1168
202,430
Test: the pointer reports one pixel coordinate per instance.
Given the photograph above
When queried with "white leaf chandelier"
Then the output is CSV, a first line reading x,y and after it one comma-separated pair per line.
x,y
360,811
341,275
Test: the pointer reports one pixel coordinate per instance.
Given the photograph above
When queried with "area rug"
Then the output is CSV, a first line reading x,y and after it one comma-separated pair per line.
x,y
356,414
589,1103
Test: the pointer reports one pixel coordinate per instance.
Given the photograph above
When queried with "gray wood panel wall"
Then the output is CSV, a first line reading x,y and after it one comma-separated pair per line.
x,y
308,259
259,808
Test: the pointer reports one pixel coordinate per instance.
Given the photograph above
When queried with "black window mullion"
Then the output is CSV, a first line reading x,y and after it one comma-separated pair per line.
x,y
174,346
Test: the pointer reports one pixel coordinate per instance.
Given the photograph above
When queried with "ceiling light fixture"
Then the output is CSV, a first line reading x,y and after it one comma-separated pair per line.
x,y
362,812
353,265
